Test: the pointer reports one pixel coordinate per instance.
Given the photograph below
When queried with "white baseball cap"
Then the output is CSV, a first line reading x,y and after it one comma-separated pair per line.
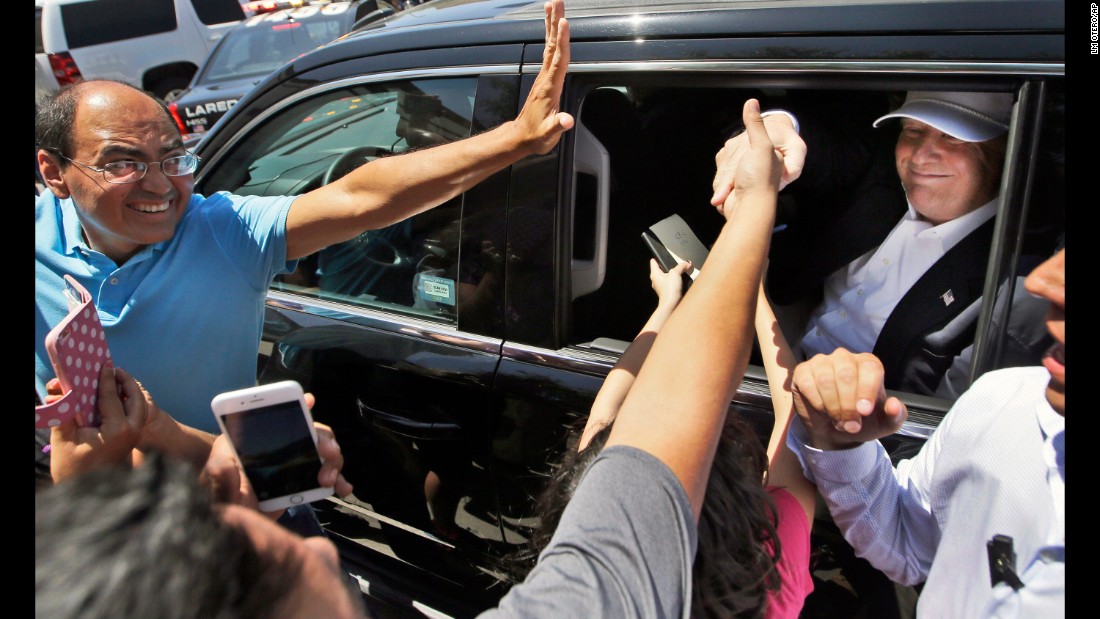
x,y
968,116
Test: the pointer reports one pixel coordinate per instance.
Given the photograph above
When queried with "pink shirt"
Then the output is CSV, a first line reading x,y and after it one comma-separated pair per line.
x,y
793,531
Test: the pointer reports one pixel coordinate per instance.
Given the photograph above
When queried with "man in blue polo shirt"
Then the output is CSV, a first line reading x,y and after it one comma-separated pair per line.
x,y
179,279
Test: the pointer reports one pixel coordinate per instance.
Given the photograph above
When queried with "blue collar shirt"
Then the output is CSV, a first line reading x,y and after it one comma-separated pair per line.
x,y
184,316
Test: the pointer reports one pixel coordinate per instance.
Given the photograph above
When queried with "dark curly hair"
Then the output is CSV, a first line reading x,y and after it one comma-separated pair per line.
x,y
733,569
148,542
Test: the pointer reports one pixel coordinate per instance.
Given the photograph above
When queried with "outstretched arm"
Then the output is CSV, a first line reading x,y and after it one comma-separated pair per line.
x,y
678,403
669,288
784,470
390,189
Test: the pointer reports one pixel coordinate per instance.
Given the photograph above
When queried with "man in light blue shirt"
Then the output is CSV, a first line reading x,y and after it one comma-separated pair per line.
x,y
994,467
184,313
179,279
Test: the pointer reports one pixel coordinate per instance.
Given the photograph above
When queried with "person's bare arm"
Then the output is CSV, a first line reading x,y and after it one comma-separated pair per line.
x,y
669,289
784,470
678,402
391,189
163,434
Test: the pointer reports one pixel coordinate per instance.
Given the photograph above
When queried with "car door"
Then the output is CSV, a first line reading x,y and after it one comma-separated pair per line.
x,y
651,114
397,332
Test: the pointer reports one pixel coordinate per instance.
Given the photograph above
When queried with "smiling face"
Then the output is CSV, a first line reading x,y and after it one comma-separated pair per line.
x,y
1048,281
116,123
945,177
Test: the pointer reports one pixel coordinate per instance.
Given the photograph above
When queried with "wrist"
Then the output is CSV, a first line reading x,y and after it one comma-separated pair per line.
x,y
832,442
782,113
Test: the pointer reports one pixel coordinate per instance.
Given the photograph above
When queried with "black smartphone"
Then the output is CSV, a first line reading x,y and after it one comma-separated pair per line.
x,y
659,251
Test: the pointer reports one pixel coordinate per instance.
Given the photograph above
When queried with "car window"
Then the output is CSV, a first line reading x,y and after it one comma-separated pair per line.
x,y
104,21
623,128
218,11
38,49
266,42
1018,329
410,267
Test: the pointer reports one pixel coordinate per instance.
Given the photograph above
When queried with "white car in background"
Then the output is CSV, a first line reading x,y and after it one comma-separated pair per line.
x,y
44,80
156,45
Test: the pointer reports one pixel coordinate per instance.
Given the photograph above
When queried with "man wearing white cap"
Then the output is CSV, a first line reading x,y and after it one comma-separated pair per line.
x,y
899,275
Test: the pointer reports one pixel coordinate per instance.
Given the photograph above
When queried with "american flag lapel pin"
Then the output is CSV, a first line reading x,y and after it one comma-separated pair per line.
x,y
948,297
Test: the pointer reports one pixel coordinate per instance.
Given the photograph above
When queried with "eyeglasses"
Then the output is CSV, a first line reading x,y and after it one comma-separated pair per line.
x,y
122,172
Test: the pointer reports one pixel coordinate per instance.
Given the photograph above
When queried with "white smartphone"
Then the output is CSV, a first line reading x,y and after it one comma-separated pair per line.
x,y
272,432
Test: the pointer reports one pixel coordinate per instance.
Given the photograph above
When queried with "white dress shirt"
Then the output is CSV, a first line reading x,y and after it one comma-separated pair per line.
x,y
860,296
995,465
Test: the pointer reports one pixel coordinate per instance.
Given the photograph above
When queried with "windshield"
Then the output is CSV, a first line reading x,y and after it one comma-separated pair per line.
x,y
266,42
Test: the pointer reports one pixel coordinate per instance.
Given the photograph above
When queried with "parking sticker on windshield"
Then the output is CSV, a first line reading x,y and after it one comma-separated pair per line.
x,y
437,289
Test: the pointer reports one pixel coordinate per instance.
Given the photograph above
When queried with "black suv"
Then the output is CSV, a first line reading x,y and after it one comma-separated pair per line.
x,y
452,351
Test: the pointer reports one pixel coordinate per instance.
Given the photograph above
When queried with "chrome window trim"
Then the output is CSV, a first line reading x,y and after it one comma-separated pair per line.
x,y
1020,69
380,320
572,359
753,392
389,76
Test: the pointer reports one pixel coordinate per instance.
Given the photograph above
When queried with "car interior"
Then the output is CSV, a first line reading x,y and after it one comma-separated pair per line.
x,y
657,147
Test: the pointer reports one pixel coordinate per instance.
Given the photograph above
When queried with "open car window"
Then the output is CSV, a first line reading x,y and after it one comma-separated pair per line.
x,y
628,177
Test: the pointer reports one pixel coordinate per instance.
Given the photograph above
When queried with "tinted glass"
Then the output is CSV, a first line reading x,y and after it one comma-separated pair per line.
x,y
104,21
410,267
1044,235
632,121
266,42
218,11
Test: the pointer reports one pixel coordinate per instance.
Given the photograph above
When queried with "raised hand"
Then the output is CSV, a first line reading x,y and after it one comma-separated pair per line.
x,y
541,120
787,144
760,166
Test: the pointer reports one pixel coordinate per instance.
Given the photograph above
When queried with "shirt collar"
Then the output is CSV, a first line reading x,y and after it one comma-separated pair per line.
x,y
73,234
1050,422
951,232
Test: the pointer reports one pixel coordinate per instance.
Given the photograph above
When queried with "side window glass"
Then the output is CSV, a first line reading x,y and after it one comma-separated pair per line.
x,y
410,267
922,328
218,11
105,21
1024,337
38,48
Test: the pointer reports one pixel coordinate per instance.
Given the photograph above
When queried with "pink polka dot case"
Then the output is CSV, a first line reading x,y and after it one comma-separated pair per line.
x,y
78,349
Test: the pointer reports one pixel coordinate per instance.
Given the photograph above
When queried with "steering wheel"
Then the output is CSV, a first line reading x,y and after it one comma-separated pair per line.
x,y
351,159
366,246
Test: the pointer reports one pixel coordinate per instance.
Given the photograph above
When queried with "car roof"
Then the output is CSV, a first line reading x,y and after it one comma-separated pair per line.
x,y
520,21
450,23
905,15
